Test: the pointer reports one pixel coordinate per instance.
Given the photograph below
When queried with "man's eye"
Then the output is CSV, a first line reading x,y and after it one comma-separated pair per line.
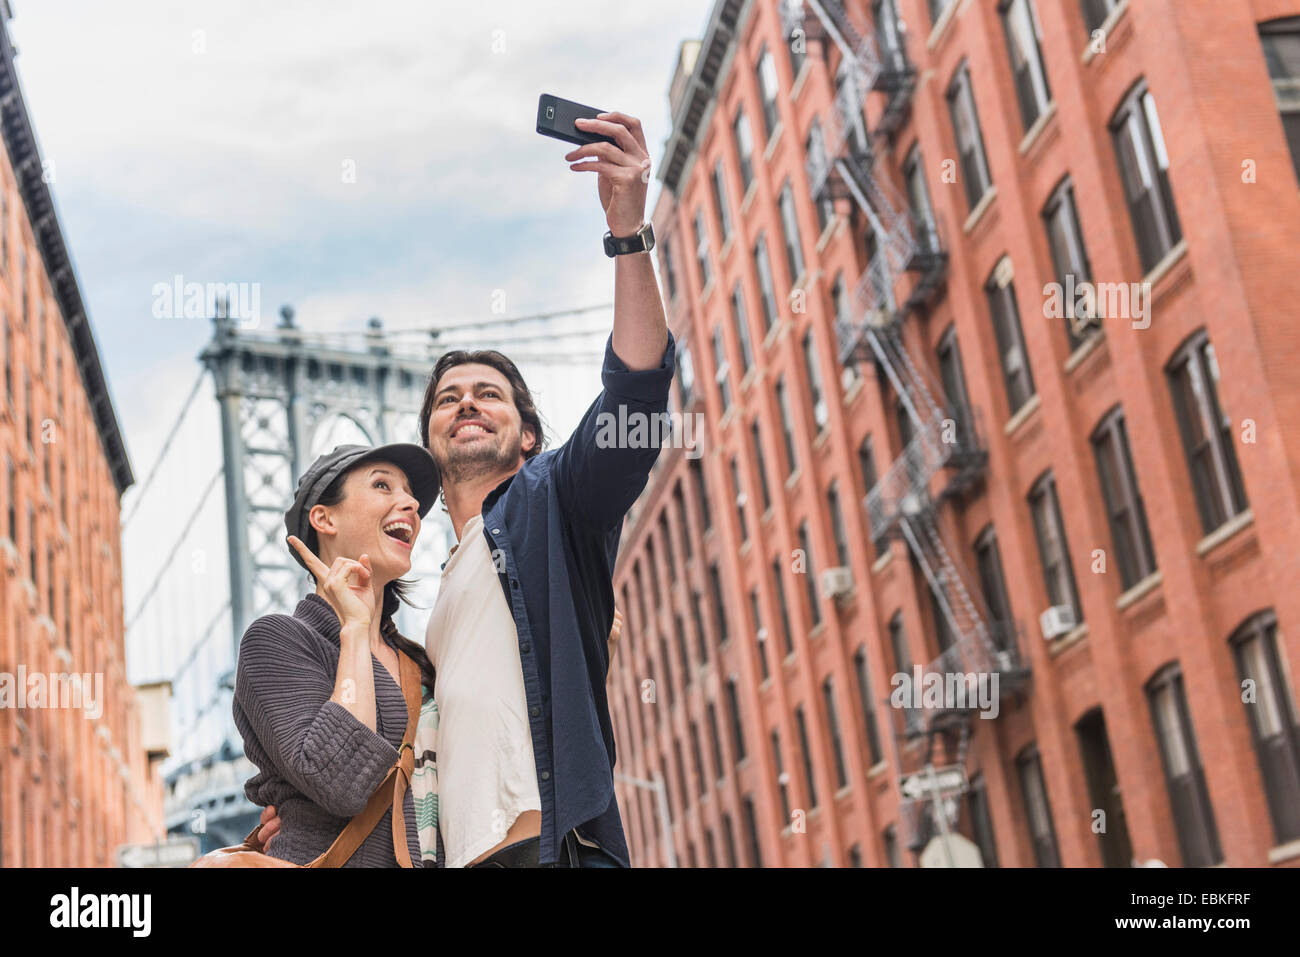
x,y
444,399
492,392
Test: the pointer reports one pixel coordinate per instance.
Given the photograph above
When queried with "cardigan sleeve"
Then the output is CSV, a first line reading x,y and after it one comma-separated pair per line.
x,y
316,744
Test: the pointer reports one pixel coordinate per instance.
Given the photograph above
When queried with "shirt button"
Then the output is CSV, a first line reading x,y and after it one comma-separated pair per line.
x,y
535,711
514,583
546,775
496,531
526,648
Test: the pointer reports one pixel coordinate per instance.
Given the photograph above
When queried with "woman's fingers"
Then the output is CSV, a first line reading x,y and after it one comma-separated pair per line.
x,y
314,564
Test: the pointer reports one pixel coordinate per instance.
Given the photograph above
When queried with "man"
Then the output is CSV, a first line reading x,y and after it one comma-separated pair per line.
x,y
518,633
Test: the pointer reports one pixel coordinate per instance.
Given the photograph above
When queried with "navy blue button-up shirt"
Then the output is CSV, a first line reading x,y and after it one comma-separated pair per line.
x,y
557,523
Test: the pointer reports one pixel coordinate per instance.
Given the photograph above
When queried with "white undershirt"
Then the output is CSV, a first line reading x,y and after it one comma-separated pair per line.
x,y
486,773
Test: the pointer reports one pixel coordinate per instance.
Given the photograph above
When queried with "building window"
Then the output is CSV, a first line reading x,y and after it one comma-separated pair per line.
x,y
1095,12
702,249
740,500
837,525
977,800
848,110
681,775
667,668
737,727
802,724
1053,549
1281,40
890,835
715,741
1198,836
918,201
680,631
702,494
730,838
787,428
680,501
701,638
1119,489
1144,168
782,779
719,607
762,468
1038,811
720,200
855,856
1274,720
993,586
722,366
11,500
744,150
843,324
1207,433
741,320
867,462
810,574
837,742
1016,376
790,228
751,826
760,632
954,389
1069,255
863,675
698,759
815,150
767,291
796,42
889,41
785,608
685,375
670,274
912,718
1024,47
816,393
767,91
970,141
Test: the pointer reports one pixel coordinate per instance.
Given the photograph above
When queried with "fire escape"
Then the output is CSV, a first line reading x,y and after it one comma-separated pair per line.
x,y
944,456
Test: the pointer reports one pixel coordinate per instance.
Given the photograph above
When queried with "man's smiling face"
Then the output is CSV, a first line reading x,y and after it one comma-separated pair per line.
x,y
474,426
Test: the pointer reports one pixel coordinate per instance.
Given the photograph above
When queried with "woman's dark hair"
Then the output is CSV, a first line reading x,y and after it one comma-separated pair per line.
x,y
395,592
528,414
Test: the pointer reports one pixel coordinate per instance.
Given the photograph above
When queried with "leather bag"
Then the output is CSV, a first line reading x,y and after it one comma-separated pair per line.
x,y
390,792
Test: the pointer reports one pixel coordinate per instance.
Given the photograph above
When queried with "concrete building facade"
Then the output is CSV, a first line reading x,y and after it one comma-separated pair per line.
x,y
985,307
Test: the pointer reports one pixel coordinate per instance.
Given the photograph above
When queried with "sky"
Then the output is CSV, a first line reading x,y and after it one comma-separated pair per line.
x,y
353,159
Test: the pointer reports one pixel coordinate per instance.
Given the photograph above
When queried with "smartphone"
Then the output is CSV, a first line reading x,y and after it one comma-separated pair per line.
x,y
555,118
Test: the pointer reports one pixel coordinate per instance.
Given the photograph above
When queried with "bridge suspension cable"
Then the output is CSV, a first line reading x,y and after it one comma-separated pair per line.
x,y
166,447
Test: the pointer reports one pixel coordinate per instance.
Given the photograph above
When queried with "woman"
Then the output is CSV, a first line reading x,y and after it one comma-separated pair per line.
x,y
318,698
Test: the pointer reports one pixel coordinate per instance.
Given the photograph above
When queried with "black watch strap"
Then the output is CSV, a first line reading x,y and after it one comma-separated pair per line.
x,y
642,240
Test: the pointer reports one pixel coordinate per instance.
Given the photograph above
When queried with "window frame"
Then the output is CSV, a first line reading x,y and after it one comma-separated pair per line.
x,y
1130,532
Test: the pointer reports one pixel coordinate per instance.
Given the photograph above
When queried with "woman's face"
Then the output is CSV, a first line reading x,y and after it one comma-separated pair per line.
x,y
378,516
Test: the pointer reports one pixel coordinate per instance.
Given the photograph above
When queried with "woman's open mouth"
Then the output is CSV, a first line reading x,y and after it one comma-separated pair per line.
x,y
400,532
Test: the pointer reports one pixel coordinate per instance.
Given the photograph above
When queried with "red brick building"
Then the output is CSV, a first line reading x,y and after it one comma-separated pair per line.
x,y
75,779
988,309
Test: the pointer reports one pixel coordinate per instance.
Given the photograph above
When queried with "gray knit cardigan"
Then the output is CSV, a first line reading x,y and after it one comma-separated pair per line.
x,y
318,764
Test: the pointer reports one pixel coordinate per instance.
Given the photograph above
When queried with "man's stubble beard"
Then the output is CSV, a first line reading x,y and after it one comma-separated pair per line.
x,y
480,459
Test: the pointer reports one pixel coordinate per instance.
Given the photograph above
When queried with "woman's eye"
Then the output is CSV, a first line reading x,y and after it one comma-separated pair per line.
x,y
379,482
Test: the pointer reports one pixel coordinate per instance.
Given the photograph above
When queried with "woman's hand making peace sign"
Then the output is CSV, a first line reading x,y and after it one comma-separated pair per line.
x,y
345,584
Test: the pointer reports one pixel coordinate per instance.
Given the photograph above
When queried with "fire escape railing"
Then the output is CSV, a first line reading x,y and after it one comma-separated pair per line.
x,y
906,242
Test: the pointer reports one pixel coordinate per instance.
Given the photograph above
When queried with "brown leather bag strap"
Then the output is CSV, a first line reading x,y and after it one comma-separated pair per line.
x,y
391,790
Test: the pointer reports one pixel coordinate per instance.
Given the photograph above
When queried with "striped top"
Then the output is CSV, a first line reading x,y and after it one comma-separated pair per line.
x,y
317,763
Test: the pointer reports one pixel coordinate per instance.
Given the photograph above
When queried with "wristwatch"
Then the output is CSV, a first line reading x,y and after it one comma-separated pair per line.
x,y
641,241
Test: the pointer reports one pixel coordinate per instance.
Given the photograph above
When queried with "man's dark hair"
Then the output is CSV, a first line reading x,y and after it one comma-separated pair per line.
x,y
528,416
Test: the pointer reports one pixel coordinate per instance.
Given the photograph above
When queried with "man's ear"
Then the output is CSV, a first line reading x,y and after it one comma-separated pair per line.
x,y
528,438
